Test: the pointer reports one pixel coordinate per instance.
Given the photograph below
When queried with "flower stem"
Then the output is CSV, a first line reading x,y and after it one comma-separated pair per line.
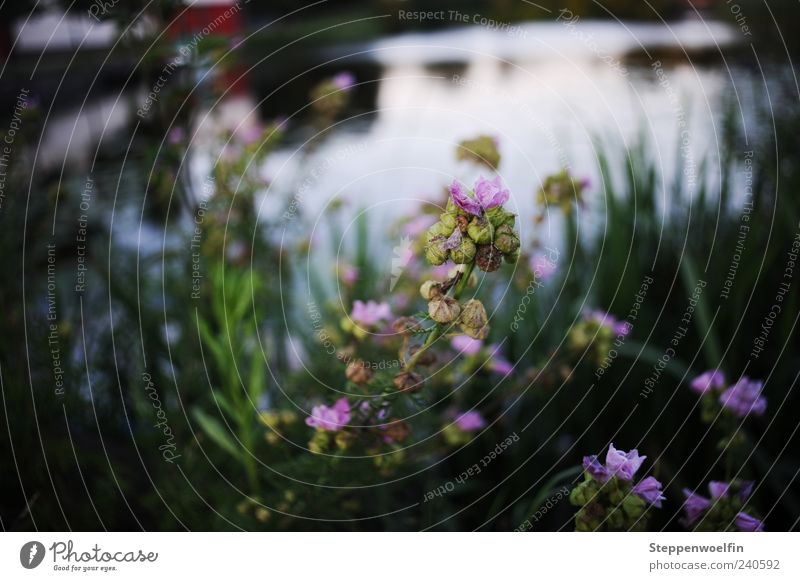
x,y
440,328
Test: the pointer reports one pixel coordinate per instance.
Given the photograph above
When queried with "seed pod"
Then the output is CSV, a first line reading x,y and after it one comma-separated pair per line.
x,y
408,381
464,253
474,319
427,358
435,252
488,258
444,309
506,239
430,289
480,230
406,325
357,372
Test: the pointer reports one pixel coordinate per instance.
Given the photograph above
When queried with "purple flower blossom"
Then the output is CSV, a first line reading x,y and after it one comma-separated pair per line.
x,y
711,379
500,365
330,419
466,345
595,469
454,241
542,266
621,464
609,321
343,80
649,490
744,398
718,489
749,524
176,135
723,489
487,195
470,421
694,506
370,313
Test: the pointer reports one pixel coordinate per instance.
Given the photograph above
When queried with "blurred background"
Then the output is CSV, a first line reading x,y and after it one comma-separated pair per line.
x,y
195,194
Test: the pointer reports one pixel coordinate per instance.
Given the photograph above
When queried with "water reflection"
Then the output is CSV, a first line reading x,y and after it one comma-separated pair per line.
x,y
545,96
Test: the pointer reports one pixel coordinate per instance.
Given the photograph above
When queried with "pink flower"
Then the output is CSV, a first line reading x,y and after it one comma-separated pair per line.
x,y
649,490
344,80
348,274
370,313
470,421
501,366
749,524
498,363
330,419
466,345
176,135
609,321
711,379
695,506
621,464
718,489
542,266
487,195
744,398
595,469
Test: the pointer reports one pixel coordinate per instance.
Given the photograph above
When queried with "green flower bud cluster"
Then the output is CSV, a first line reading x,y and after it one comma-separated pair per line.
x,y
561,190
277,423
464,238
608,507
587,333
721,515
482,150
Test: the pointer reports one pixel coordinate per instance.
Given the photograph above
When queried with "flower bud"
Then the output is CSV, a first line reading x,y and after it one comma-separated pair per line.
x,y
488,258
441,228
343,439
633,506
474,319
480,230
319,442
499,217
464,253
430,289
435,251
357,372
408,381
444,309
449,222
506,239
262,514
482,150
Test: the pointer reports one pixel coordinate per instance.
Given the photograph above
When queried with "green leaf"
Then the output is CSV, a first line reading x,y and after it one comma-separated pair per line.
x,y
217,433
